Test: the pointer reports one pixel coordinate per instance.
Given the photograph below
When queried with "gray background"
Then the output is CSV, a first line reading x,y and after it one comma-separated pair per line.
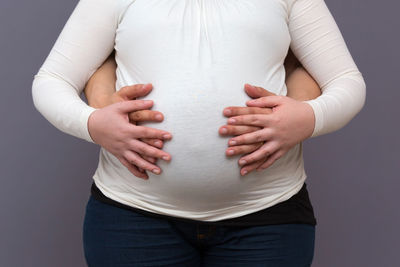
x,y
352,174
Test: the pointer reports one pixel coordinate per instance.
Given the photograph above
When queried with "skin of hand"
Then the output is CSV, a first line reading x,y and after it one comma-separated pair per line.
x,y
300,86
100,91
132,92
110,128
290,122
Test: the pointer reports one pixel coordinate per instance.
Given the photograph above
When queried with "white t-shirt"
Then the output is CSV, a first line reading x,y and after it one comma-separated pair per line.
x,y
198,54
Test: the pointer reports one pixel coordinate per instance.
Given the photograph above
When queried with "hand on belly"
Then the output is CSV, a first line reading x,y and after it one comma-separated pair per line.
x,y
137,117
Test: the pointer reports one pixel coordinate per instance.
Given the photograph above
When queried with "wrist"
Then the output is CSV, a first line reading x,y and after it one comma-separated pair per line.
x,y
310,119
90,126
87,118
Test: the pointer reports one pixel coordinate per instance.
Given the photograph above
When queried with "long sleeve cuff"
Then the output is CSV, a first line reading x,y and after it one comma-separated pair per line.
x,y
84,118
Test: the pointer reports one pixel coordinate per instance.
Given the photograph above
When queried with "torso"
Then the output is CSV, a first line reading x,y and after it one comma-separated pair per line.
x,y
198,55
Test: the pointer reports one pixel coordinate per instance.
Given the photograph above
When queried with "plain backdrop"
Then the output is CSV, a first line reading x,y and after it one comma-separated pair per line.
x,y
353,174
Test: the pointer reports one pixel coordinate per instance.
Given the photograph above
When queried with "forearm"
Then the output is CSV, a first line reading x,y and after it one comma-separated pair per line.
x,y
101,85
57,86
321,49
301,86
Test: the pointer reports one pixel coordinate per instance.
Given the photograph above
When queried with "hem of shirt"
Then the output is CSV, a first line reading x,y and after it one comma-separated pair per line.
x,y
272,215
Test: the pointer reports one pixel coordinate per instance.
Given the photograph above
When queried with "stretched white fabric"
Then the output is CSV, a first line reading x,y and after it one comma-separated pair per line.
x,y
198,54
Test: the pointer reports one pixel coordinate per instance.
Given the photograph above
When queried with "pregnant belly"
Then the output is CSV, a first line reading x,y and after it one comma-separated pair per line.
x,y
200,178
199,168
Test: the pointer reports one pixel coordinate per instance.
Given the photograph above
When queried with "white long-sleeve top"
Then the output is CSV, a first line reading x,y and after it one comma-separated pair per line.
x,y
198,54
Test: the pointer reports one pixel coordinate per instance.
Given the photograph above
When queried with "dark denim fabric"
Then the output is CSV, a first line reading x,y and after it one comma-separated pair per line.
x,y
117,237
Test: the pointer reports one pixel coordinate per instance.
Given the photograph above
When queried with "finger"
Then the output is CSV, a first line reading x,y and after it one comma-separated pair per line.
x,y
237,129
153,142
134,91
256,91
246,169
235,111
244,149
261,120
267,149
147,150
271,160
132,105
250,138
133,169
146,115
150,159
266,101
135,159
148,132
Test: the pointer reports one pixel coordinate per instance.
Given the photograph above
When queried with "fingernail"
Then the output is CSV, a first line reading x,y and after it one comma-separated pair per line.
x,y
230,152
245,172
167,136
242,162
156,171
157,143
158,117
165,157
232,142
224,130
231,120
227,112
144,85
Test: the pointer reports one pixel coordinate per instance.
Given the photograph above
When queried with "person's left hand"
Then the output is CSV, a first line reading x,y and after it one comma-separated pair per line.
x,y
235,130
290,123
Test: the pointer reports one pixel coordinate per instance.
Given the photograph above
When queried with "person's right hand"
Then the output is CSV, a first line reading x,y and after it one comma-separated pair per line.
x,y
131,92
110,128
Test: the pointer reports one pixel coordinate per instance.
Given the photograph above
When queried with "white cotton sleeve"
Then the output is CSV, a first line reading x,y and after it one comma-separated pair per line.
x,y
85,42
319,45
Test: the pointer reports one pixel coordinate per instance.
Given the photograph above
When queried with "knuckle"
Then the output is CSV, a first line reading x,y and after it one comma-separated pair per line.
x,y
241,149
266,151
231,129
258,137
137,115
249,149
253,119
153,151
253,110
234,111
140,149
128,156
140,131
275,119
132,144
124,131
244,129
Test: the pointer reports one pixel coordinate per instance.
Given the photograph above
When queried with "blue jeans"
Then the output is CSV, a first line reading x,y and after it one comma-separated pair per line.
x,y
116,237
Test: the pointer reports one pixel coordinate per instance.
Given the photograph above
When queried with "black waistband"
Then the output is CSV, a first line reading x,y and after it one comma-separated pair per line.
x,y
297,209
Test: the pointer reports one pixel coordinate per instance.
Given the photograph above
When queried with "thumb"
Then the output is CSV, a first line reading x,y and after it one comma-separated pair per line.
x,y
133,105
266,101
256,91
